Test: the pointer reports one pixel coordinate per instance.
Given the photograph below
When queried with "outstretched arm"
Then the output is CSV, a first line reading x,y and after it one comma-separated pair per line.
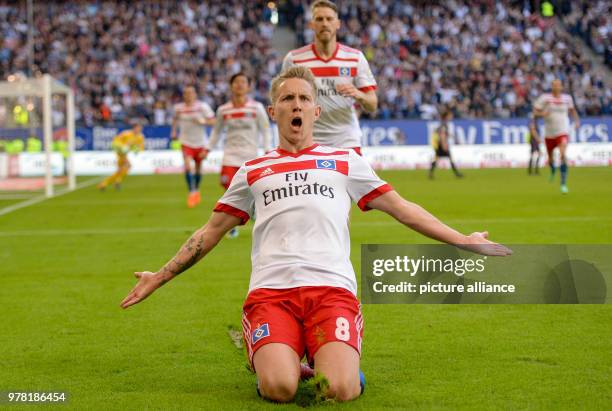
x,y
420,220
197,246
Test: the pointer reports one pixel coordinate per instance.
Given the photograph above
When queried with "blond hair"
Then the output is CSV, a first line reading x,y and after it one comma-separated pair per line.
x,y
323,3
300,72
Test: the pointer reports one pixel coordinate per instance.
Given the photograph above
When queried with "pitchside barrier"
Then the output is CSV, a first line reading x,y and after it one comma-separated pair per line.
x,y
392,144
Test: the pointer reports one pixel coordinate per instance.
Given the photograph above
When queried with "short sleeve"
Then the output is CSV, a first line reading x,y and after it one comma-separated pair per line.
x,y
287,62
364,185
238,199
207,111
365,79
539,103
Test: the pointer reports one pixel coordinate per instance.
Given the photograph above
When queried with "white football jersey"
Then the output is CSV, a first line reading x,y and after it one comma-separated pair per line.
x,y
242,125
557,122
300,203
191,133
338,125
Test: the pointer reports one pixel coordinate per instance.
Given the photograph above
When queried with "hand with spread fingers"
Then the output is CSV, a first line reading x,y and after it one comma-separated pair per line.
x,y
478,242
147,283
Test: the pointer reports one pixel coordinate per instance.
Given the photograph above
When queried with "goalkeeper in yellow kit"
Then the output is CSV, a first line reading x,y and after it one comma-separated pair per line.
x,y
123,143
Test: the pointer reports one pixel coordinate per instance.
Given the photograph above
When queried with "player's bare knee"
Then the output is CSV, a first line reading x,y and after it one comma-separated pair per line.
x,y
277,389
344,389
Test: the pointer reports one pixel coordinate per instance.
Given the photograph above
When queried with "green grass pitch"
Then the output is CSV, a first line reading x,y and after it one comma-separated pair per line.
x,y
66,263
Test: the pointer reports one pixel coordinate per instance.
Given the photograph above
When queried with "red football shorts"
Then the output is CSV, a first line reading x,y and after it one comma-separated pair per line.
x,y
554,142
304,318
227,174
197,153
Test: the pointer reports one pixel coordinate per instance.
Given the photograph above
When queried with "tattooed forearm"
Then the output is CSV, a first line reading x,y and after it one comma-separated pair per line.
x,y
189,254
197,252
197,246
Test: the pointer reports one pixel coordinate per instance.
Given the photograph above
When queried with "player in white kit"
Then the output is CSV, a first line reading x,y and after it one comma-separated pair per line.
x,y
190,117
302,293
242,120
343,78
555,108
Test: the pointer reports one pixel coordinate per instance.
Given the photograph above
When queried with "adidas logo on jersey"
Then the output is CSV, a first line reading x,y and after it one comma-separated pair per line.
x,y
266,172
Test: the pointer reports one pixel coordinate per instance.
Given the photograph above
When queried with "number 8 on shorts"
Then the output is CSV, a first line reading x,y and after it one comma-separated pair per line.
x,y
343,332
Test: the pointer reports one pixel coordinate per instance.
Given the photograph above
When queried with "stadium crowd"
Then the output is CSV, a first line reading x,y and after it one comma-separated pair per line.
x,y
481,58
133,58
592,20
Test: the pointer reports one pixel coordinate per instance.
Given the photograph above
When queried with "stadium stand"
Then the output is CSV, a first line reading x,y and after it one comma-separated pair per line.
x,y
480,58
592,21
131,59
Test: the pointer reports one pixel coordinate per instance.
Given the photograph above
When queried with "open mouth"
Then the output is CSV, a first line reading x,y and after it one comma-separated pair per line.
x,y
296,122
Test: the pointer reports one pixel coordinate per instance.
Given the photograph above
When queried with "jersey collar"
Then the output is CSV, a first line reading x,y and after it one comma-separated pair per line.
x,y
299,153
333,56
234,105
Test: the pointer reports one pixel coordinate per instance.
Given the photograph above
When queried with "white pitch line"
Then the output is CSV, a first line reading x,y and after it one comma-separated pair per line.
x,y
533,219
97,231
507,220
109,200
15,196
147,230
42,198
